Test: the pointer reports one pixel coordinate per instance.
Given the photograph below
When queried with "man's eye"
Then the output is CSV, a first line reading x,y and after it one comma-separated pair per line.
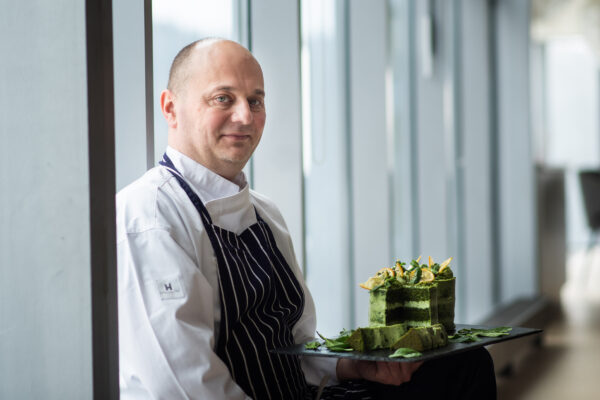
x,y
221,99
255,103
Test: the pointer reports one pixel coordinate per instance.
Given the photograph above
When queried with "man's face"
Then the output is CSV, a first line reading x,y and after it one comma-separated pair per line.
x,y
219,109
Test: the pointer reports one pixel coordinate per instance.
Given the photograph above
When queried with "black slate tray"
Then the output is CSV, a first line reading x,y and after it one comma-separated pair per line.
x,y
383,355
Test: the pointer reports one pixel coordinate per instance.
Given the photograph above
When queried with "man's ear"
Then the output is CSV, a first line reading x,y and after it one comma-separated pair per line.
x,y
167,105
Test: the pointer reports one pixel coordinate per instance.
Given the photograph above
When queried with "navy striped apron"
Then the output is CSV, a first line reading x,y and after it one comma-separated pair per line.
x,y
261,301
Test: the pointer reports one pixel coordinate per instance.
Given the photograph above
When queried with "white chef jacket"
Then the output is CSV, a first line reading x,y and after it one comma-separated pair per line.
x,y
169,304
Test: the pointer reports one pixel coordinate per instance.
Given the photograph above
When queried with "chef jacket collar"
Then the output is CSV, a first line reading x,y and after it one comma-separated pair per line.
x,y
207,184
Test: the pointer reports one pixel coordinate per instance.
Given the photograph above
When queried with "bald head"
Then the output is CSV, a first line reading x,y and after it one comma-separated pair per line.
x,y
201,52
214,105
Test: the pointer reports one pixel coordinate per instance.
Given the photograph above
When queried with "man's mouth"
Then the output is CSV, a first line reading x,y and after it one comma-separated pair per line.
x,y
236,136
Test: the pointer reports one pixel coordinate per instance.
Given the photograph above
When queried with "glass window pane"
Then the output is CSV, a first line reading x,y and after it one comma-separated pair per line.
x,y
325,159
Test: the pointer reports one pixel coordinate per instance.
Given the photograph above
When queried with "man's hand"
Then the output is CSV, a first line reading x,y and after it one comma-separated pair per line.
x,y
389,373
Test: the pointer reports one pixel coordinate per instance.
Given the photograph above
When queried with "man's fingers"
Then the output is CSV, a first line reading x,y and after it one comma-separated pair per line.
x,y
402,371
389,373
412,366
392,373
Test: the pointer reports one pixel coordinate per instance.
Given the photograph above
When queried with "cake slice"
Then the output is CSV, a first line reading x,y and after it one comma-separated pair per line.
x,y
373,338
423,338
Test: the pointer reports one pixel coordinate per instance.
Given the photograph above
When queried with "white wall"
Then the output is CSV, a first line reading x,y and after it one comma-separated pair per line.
x,y
45,310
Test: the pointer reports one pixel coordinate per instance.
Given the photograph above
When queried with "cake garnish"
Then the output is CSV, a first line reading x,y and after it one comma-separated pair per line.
x,y
445,265
412,273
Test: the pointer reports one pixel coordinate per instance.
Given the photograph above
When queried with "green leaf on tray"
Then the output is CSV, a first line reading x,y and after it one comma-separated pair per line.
x,y
405,352
312,345
471,335
338,344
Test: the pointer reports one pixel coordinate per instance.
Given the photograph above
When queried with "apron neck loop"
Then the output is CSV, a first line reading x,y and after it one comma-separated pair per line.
x,y
168,164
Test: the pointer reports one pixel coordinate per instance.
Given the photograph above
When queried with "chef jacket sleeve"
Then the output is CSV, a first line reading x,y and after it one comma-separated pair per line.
x,y
166,337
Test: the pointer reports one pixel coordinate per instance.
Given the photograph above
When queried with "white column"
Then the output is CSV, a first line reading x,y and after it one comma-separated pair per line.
x,y
45,283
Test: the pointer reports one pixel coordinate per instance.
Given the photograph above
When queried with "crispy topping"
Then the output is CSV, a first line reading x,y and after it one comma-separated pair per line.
x,y
445,264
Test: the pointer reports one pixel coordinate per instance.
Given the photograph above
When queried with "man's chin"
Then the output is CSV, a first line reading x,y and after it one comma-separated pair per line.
x,y
239,160
236,156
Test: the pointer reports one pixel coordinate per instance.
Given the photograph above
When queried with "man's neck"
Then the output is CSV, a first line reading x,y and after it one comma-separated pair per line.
x,y
229,171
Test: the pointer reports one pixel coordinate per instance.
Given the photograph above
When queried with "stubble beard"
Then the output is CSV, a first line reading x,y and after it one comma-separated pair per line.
x,y
239,161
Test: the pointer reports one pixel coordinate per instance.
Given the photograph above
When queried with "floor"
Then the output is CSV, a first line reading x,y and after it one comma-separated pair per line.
x,y
567,364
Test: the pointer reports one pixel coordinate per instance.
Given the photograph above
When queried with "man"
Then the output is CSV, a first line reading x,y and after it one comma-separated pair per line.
x,y
208,280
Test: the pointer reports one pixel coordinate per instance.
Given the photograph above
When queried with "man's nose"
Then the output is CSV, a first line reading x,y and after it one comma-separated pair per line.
x,y
242,113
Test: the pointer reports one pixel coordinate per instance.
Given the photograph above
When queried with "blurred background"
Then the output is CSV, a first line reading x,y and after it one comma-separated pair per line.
x,y
396,128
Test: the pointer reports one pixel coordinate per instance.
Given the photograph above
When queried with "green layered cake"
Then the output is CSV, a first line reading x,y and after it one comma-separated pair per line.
x,y
373,338
415,294
410,306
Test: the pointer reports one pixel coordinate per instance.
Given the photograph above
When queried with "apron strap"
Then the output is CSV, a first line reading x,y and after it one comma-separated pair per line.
x,y
167,163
